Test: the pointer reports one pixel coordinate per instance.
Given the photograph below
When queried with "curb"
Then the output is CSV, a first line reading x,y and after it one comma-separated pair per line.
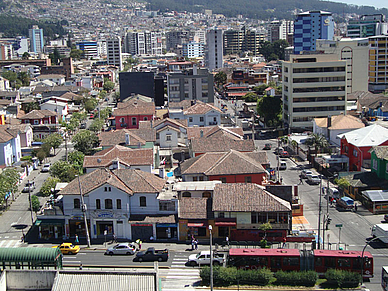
x,y
114,267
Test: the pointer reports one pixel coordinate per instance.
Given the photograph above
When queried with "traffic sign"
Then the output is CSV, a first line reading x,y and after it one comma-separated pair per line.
x,y
338,225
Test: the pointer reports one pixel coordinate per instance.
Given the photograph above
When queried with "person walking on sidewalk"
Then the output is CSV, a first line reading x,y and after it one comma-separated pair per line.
x,y
300,180
76,239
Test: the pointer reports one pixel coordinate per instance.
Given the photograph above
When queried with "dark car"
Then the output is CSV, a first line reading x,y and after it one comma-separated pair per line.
x,y
83,126
151,255
267,146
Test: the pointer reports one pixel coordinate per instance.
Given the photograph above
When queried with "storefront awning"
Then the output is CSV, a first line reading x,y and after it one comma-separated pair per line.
x,y
225,223
49,222
196,224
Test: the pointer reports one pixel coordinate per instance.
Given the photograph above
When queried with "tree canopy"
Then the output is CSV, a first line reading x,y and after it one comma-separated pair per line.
x,y
85,141
54,140
64,171
273,51
49,184
220,79
108,85
270,108
8,182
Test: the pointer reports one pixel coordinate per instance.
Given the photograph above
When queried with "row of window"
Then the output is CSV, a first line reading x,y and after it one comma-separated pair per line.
x,y
323,108
318,70
317,80
133,120
319,89
108,203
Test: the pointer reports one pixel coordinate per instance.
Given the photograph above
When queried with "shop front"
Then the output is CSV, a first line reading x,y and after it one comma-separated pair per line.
x,y
142,231
51,229
166,231
76,226
224,226
197,229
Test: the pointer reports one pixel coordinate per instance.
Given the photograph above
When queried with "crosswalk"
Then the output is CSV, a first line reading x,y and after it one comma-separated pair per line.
x,y
11,243
179,277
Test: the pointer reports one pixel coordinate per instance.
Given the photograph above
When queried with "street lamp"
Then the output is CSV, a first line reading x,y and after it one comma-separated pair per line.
x,y
319,213
211,258
84,212
362,257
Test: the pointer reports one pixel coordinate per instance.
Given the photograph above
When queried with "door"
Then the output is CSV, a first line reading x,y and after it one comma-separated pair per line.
x,y
119,229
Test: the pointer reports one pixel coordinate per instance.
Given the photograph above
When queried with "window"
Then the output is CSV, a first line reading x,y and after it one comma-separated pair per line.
x,y
145,118
201,119
166,206
143,201
221,214
77,204
248,179
179,135
134,121
107,189
223,180
157,135
190,119
118,203
108,204
122,120
98,204
206,194
374,166
36,121
355,152
168,137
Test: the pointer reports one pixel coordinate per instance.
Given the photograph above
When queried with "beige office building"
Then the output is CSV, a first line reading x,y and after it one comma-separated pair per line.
x,y
356,53
378,63
314,85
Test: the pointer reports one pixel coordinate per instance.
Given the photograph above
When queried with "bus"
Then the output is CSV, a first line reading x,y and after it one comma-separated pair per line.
x,y
301,260
384,278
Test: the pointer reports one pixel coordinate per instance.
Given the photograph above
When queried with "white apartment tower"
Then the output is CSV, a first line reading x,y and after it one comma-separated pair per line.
x,y
314,86
144,43
280,29
114,52
214,49
36,39
356,53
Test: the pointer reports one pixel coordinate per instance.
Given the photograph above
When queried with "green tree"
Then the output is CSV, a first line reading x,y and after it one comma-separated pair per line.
x,y
250,97
54,140
8,182
81,116
55,57
11,77
342,183
259,90
97,124
270,108
64,171
31,106
85,141
35,203
318,142
220,79
108,85
265,227
90,104
26,56
105,113
77,54
76,158
24,78
49,184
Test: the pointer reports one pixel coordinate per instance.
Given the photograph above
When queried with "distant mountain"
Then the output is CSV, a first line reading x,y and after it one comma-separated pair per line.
x,y
261,9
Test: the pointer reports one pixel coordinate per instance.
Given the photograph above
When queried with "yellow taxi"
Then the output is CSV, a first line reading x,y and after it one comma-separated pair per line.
x,y
68,248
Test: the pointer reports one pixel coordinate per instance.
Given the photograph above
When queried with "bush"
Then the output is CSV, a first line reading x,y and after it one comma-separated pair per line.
x,y
223,277
26,158
342,279
295,278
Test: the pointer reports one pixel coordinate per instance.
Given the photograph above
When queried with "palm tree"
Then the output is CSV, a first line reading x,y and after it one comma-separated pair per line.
x,y
318,141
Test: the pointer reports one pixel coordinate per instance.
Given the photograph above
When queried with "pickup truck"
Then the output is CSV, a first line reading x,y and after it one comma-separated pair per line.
x,y
203,258
151,255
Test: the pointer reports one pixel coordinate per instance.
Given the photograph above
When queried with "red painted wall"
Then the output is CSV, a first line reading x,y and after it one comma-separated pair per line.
x,y
256,178
128,120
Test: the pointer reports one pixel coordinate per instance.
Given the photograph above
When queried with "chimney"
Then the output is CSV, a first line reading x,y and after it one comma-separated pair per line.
x,y
328,121
127,140
201,133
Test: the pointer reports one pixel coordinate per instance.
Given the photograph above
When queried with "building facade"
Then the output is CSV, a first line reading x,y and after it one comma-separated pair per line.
x,y
114,53
214,49
366,26
378,56
313,86
310,26
36,39
193,49
280,29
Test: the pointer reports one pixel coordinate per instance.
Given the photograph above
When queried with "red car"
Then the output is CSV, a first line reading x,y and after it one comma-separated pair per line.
x,y
284,154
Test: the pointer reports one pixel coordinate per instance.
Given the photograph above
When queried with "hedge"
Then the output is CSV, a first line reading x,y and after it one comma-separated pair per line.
x,y
342,278
223,277
296,278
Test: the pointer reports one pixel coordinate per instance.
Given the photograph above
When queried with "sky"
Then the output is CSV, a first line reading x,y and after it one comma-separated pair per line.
x,y
376,3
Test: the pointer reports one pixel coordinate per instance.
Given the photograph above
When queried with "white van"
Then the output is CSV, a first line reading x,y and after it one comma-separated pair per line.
x,y
283,165
333,192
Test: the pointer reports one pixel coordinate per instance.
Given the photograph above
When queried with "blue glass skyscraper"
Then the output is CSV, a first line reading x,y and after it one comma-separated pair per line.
x,y
310,26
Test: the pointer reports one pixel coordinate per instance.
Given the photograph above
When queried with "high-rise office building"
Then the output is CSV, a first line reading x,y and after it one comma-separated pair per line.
x,y
36,39
280,29
214,49
356,54
243,40
378,58
310,26
114,52
192,49
89,48
366,26
144,43
314,85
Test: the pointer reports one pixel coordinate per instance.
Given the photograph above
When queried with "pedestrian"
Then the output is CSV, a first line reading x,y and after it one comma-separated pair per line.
x,y
196,244
281,180
227,241
192,243
300,180
114,238
284,242
80,266
331,201
76,239
355,207
138,241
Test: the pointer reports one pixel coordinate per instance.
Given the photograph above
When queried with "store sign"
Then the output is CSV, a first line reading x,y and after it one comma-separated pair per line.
x,y
105,215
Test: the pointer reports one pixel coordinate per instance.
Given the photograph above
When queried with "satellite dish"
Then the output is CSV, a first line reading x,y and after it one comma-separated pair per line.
x,y
98,160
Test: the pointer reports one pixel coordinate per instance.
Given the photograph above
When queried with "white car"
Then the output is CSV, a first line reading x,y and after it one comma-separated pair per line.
x,y
46,168
314,179
203,258
304,173
121,249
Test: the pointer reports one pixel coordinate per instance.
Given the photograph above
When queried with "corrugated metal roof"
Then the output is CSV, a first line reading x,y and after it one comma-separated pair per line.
x,y
376,195
102,281
29,254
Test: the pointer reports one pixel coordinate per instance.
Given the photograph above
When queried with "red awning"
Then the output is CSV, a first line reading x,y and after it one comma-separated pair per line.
x,y
196,224
225,223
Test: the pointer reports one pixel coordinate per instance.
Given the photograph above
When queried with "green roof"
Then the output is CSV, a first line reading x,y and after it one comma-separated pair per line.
x,y
36,255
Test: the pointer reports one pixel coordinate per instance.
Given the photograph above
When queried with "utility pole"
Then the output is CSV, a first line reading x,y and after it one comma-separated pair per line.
x,y
84,212
211,258
66,133
319,214
29,197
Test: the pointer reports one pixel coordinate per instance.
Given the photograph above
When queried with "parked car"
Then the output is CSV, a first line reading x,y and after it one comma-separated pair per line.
x,y
333,192
345,203
304,173
267,146
83,126
151,255
283,165
46,168
279,150
30,186
284,154
68,248
386,217
121,249
313,179
203,258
